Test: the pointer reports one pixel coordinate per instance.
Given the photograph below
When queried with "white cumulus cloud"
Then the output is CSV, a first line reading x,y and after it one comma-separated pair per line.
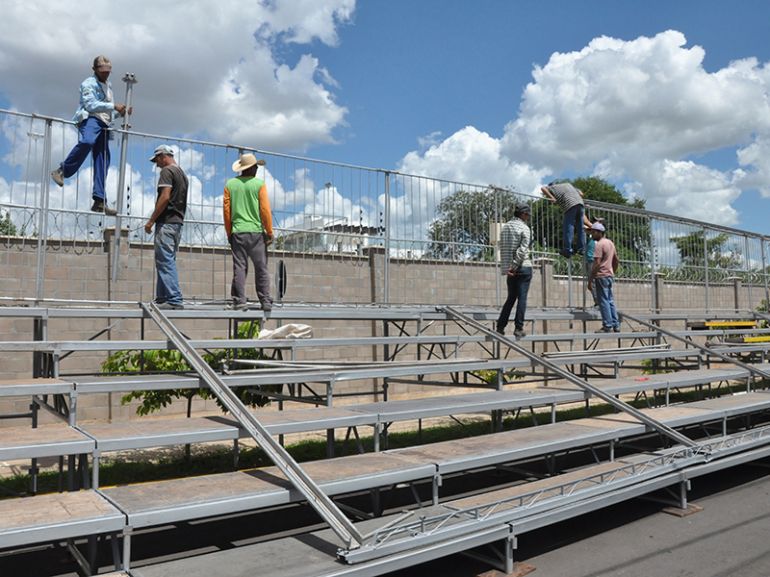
x,y
641,113
217,68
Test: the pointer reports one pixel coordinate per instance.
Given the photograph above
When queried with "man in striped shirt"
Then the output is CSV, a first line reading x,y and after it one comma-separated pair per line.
x,y
515,240
570,200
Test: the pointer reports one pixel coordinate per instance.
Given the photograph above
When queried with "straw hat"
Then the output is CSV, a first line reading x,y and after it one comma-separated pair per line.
x,y
246,161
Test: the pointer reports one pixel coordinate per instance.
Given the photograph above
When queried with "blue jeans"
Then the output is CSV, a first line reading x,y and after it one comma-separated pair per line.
x,y
166,244
518,287
573,218
93,138
606,301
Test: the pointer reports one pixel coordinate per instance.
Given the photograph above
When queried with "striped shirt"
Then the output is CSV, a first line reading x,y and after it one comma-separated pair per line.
x,y
566,195
515,240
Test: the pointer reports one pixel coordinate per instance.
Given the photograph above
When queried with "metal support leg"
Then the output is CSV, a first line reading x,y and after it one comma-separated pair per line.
x,y
95,470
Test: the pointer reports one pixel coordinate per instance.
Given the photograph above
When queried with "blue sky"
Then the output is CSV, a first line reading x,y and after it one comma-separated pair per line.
x,y
668,100
409,68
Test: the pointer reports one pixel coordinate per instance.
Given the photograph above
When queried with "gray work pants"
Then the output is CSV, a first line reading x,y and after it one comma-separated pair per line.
x,y
249,246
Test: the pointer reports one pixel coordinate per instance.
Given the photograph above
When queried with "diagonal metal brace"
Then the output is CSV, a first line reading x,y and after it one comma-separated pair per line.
x,y
726,358
320,501
661,428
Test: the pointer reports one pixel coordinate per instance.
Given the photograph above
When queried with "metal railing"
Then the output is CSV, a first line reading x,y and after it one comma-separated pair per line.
x,y
332,212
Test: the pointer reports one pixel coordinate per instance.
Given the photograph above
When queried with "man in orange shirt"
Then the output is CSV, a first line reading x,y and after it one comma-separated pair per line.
x,y
249,227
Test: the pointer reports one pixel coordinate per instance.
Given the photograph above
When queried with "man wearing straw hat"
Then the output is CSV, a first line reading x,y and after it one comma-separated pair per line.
x,y
96,113
249,227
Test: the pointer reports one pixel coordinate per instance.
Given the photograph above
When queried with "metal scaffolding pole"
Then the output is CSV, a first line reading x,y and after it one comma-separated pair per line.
x,y
130,80
323,505
42,225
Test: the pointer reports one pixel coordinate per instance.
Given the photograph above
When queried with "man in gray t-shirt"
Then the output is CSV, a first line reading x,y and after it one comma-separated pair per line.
x,y
570,200
168,216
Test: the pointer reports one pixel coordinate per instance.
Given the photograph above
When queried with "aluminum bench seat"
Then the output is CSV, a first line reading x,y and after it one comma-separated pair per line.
x,y
29,387
671,415
295,375
479,402
145,433
737,404
44,441
56,516
208,495
498,448
316,419
684,378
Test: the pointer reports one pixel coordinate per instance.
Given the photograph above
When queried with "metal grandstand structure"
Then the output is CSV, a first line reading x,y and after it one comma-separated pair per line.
x,y
410,326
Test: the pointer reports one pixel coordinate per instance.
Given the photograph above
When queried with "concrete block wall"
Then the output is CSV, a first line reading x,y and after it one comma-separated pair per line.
x,y
82,271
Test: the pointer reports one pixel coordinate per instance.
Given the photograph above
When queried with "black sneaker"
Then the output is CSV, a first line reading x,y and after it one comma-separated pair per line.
x,y
519,333
604,330
500,331
171,306
267,306
616,330
100,206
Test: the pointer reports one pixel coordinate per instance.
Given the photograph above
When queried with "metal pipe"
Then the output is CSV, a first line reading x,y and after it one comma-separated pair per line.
x,y
130,80
42,226
386,224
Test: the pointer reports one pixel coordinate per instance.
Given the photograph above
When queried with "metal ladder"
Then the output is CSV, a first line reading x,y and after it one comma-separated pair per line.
x,y
323,505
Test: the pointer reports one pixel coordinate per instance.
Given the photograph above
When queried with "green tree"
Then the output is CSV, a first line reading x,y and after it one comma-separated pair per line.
x,y
7,228
461,227
698,250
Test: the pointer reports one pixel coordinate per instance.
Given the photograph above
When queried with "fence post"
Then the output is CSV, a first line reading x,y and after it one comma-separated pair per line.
x,y
706,268
130,80
736,293
42,223
657,304
546,272
764,272
386,224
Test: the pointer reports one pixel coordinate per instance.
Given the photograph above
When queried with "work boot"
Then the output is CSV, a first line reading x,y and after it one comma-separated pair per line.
x,y
58,177
100,206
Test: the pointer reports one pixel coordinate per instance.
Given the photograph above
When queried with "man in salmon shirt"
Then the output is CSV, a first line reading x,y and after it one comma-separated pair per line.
x,y
249,227
603,276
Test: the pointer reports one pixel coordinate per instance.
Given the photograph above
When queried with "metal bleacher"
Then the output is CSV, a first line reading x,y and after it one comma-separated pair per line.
x,y
630,452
